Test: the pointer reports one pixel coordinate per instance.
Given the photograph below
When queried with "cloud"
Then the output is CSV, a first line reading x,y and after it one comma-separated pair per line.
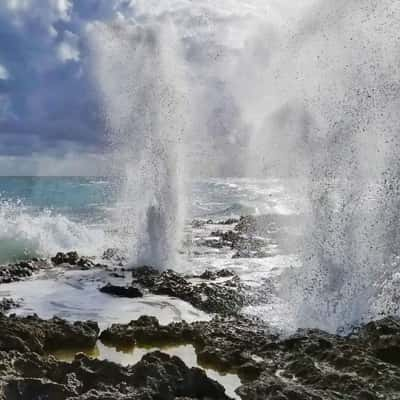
x,y
68,49
4,75
48,96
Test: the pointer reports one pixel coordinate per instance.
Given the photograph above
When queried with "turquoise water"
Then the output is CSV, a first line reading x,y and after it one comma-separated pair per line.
x,y
42,215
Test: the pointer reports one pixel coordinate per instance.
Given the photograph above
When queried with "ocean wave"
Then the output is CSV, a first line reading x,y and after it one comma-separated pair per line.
x,y
26,233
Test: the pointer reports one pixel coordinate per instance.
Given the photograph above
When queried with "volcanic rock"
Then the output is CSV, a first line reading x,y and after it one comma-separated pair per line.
x,y
221,297
121,291
309,364
28,373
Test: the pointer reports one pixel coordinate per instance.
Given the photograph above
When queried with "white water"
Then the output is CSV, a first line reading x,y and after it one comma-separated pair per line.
x,y
311,95
307,91
141,75
25,233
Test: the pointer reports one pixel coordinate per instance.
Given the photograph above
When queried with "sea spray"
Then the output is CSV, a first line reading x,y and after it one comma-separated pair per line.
x,y
26,232
140,72
328,118
313,98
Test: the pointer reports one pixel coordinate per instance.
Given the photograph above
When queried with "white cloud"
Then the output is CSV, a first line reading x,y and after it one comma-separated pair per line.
x,y
4,74
68,49
47,12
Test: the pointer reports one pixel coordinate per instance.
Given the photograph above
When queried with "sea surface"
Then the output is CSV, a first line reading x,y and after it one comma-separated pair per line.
x,y
40,216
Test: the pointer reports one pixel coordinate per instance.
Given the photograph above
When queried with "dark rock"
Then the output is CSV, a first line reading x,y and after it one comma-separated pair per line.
x,y
28,373
212,275
121,291
71,258
308,365
85,263
145,330
24,269
6,304
211,297
116,275
114,255
35,389
34,334
229,221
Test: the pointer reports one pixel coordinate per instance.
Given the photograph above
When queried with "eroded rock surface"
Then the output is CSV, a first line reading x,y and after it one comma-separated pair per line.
x,y
253,236
34,334
24,269
28,373
121,291
310,364
73,259
226,297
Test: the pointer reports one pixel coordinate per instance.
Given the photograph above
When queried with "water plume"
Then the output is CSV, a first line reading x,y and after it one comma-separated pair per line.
x,y
329,119
140,72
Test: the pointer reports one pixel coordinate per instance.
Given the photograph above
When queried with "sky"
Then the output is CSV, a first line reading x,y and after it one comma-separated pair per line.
x,y
51,117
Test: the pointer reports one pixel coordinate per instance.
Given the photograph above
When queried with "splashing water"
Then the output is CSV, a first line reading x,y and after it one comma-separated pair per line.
x,y
141,75
330,119
25,233
311,95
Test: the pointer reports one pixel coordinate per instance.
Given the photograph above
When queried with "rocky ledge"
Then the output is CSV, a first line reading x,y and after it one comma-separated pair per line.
x,y
223,297
29,373
252,236
25,269
309,365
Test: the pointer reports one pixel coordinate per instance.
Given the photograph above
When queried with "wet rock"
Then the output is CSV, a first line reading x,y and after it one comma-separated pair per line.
x,y
198,223
7,304
24,269
33,388
383,339
85,263
114,255
117,275
28,373
310,364
34,334
229,221
121,291
213,275
145,330
71,258
211,297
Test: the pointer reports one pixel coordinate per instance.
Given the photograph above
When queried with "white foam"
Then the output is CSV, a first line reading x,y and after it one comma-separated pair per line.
x,y
24,231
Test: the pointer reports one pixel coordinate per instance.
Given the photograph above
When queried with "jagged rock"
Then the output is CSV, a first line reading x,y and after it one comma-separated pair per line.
x,y
145,330
71,258
34,334
213,275
6,304
229,221
24,269
114,255
28,373
211,297
121,291
310,364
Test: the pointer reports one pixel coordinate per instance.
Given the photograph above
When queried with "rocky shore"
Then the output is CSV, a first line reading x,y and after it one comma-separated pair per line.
x,y
29,373
307,365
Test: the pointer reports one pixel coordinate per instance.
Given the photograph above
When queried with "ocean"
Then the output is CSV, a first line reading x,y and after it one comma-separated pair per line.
x,y
40,216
